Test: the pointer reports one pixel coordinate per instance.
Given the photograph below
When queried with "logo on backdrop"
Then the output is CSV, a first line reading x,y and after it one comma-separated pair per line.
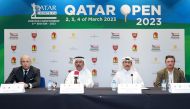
x,y
155,47
94,48
134,47
115,47
13,36
53,35
174,47
43,11
156,60
125,10
13,47
115,35
114,71
13,60
134,35
137,61
175,35
33,60
71,60
34,35
115,60
73,35
94,60
145,14
43,15
155,35
34,47
143,10
94,72
53,73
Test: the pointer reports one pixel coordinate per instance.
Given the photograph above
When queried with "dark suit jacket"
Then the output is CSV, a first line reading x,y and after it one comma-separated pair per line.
x,y
163,75
17,75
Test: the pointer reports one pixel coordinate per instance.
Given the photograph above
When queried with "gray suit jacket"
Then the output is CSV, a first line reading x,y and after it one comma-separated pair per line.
x,y
17,75
163,75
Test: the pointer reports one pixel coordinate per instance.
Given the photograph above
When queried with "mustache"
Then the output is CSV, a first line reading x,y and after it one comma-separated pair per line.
x,y
78,66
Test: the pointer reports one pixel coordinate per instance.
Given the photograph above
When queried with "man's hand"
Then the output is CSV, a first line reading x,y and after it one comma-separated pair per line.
x,y
25,85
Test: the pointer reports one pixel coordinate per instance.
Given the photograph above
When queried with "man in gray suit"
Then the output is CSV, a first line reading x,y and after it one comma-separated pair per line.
x,y
170,74
26,74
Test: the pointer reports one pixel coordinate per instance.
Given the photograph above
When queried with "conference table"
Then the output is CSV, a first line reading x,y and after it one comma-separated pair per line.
x,y
94,98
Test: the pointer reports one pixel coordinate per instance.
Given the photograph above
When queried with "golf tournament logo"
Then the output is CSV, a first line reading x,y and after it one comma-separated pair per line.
x,y
43,15
140,11
43,11
125,10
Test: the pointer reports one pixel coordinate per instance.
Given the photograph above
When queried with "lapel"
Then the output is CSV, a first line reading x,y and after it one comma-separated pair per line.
x,y
165,74
21,74
175,75
30,74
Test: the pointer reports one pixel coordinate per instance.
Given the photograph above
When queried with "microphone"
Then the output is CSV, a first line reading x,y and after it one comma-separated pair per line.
x,y
132,78
76,75
180,70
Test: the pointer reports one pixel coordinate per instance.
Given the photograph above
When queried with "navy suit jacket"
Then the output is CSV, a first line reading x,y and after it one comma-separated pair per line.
x,y
17,75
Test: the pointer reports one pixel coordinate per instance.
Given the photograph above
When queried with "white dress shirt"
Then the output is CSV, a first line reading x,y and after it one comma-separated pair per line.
x,y
170,77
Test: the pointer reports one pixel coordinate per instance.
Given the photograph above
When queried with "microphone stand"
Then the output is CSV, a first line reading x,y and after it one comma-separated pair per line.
x,y
132,78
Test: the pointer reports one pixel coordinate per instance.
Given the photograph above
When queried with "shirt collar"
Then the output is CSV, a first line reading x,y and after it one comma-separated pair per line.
x,y
25,70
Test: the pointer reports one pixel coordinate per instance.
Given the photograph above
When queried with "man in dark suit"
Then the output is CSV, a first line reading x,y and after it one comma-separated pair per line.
x,y
170,74
26,74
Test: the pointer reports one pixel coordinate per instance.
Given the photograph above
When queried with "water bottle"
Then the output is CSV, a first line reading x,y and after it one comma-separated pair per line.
x,y
163,85
49,86
113,85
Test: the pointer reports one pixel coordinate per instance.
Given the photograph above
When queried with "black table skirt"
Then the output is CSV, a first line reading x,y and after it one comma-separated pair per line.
x,y
95,98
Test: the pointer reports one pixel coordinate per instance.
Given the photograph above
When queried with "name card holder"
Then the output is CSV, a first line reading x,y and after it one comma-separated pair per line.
x,y
179,87
12,88
71,89
129,89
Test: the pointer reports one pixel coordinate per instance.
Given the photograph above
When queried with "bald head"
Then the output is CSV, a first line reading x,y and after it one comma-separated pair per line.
x,y
25,61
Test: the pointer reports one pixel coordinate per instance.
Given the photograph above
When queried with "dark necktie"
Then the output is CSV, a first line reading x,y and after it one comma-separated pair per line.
x,y
25,75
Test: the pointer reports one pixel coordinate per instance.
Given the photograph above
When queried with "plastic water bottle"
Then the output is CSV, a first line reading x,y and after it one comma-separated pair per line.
x,y
113,85
163,85
49,86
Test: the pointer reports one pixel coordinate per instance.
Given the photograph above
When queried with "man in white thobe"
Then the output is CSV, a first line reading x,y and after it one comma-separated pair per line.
x,y
128,74
81,74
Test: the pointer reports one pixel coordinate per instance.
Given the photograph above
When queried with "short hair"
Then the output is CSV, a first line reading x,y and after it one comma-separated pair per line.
x,y
170,56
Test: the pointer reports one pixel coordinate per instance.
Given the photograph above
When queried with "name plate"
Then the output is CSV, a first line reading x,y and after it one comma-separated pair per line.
x,y
179,87
12,88
71,89
129,89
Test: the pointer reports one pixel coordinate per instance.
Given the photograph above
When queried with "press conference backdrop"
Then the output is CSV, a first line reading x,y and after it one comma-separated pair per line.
x,y
54,31
52,50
